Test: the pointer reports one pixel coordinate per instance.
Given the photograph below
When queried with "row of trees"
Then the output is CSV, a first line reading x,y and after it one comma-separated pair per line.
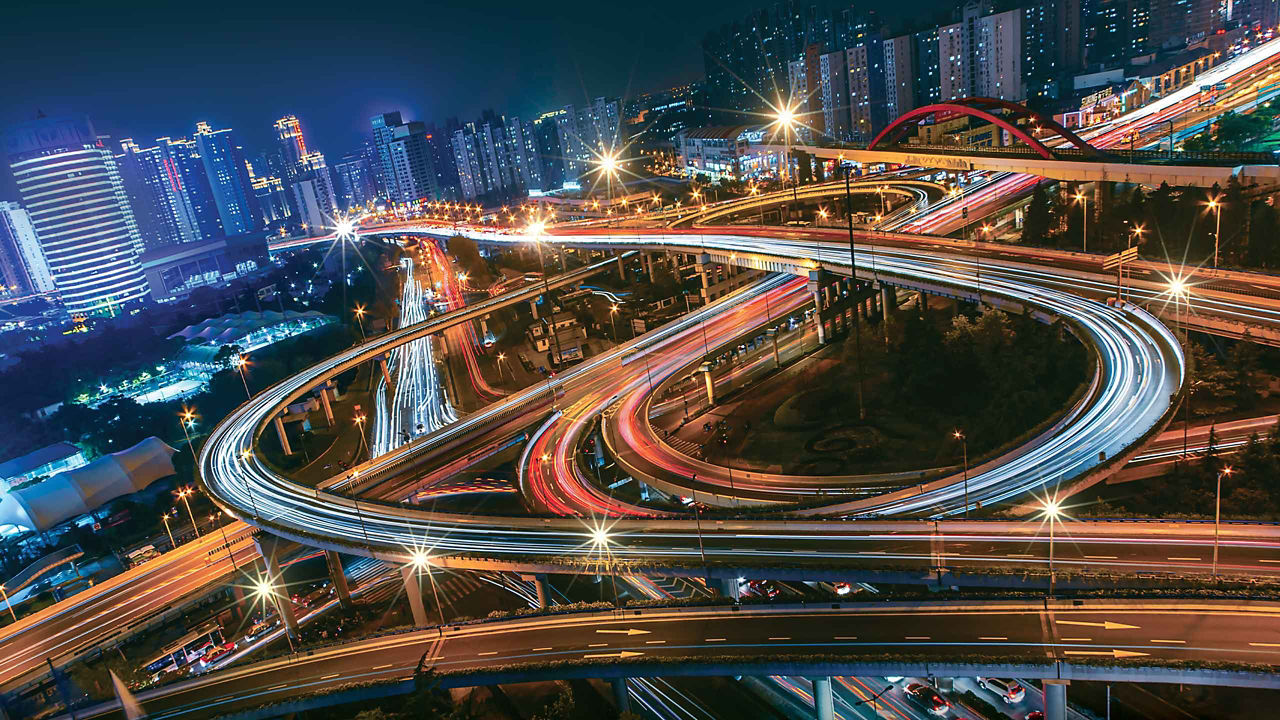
x,y
1173,224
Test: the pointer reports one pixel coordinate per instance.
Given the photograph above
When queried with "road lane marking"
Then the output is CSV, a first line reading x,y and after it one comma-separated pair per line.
x,y
992,637
1108,625
1101,557
714,640
628,631
1076,639
382,667
1112,653
779,638
1269,561
1264,644
655,642
917,637
1171,642
598,645
491,652
846,637
330,677
1183,558
1019,555
623,654
540,649
279,687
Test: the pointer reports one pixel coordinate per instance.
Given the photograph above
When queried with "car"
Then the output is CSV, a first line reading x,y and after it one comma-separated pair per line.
x,y
1008,690
928,699
217,652
843,588
1035,715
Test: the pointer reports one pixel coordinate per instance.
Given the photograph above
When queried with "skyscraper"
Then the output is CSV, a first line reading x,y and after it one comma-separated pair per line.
x,y
186,168
292,145
353,181
23,268
313,193
228,175
156,192
384,126
412,173
586,133
71,187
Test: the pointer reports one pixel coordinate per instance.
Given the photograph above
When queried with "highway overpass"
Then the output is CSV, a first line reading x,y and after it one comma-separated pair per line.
x,y
1165,641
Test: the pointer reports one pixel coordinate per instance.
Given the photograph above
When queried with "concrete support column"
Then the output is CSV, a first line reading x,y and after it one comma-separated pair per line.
x,y
1055,700
413,589
621,696
922,302
648,264
484,326
386,374
284,437
727,587
539,581
711,386
267,547
338,577
824,706
816,289
533,307
622,270
888,299
326,403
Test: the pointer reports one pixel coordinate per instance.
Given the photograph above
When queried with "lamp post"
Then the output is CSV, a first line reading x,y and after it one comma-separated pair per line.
x,y
12,614
613,314
172,542
422,561
188,418
853,277
364,444
964,446
502,357
535,230
240,361
1084,215
264,589
1217,516
225,542
785,118
1051,509
185,493
1216,207
359,313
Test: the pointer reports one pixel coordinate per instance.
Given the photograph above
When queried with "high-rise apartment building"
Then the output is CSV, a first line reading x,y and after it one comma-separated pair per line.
x,y
354,183
586,134
228,175
71,186
899,75
313,194
23,268
413,174
928,67
293,147
384,126
183,162
996,60
158,195
546,133
833,80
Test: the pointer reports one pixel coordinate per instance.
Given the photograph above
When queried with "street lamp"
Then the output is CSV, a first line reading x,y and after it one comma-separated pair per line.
x,y
264,589
165,517
1083,199
535,230
1216,207
239,361
964,445
1217,516
360,424
359,313
502,357
12,614
188,419
1050,509
784,118
185,494
613,321
422,561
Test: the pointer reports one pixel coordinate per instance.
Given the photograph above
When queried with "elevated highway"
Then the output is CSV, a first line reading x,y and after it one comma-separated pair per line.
x,y
1108,641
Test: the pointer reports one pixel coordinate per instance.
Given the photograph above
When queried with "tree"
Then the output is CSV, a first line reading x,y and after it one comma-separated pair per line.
x,y
1035,226
466,252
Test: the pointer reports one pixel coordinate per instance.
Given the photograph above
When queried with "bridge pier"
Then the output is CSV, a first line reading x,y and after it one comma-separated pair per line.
x,y
533,307
268,548
386,374
824,706
282,435
326,403
622,270
338,577
413,589
539,581
819,293
621,695
711,386
1055,699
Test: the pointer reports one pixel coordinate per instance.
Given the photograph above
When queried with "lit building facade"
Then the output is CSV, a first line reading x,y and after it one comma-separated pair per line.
x,y
23,268
228,175
71,186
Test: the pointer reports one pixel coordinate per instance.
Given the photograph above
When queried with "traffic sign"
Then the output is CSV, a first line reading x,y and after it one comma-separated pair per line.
x,y
1123,256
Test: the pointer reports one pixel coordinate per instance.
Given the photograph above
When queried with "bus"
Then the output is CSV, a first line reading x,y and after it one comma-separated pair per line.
x,y
187,649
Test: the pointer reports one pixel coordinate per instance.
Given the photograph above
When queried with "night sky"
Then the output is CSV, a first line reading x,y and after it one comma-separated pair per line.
x,y
150,69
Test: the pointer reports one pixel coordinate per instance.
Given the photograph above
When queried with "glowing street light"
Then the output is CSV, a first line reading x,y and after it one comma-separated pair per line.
x,y
1217,516
964,446
359,313
1051,510
1216,207
185,494
1083,199
265,590
188,420
12,614
502,357
613,313
239,361
165,517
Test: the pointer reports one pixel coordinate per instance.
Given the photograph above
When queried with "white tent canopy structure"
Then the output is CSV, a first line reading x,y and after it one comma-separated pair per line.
x,y
85,489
